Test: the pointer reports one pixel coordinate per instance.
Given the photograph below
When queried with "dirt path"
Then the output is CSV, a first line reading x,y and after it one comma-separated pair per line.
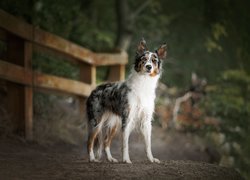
x,y
22,160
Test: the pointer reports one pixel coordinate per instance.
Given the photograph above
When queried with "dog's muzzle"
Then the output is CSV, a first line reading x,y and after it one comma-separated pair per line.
x,y
148,68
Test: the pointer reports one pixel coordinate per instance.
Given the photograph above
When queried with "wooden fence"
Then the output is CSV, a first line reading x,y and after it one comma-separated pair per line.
x,y
22,40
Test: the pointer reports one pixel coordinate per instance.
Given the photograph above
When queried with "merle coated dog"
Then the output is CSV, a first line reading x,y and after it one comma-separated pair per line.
x,y
125,105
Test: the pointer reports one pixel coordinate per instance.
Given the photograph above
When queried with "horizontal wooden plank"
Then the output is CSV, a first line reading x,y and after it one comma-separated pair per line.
x,y
59,44
51,41
100,59
16,26
105,59
15,73
61,84
23,76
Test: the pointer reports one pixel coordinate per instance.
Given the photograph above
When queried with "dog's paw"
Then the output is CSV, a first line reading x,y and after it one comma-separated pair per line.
x,y
155,160
113,160
127,161
94,161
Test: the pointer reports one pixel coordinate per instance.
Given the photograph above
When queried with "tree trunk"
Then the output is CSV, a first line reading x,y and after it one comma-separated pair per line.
x,y
124,25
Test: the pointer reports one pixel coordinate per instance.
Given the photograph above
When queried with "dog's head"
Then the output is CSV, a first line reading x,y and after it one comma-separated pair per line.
x,y
147,62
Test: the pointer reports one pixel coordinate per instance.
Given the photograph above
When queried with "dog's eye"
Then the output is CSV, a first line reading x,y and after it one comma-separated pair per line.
x,y
154,60
144,59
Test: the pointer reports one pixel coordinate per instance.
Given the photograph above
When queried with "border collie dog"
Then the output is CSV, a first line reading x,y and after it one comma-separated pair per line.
x,y
125,105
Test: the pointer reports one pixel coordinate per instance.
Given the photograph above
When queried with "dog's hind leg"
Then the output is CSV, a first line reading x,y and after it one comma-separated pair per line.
x,y
107,142
99,145
91,140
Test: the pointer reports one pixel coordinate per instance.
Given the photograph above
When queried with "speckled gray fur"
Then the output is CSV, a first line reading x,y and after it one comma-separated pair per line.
x,y
108,97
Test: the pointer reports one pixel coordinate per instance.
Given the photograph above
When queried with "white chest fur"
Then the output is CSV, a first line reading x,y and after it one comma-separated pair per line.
x,y
142,95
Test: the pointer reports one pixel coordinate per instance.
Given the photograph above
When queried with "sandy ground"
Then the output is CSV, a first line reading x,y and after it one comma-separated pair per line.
x,y
180,159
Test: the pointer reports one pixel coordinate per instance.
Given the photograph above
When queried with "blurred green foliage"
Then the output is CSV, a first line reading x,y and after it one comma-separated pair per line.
x,y
55,65
230,103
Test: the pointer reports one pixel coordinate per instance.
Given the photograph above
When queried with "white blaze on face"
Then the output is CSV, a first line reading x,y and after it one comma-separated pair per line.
x,y
149,63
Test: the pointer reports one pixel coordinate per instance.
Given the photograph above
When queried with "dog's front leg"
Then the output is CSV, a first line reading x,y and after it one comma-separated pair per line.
x,y
125,148
146,128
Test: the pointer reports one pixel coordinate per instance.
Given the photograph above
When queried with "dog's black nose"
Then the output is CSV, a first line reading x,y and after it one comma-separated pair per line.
x,y
148,67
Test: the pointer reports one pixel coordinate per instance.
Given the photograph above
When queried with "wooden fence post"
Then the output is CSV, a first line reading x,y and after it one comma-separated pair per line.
x,y
28,96
116,73
20,97
87,75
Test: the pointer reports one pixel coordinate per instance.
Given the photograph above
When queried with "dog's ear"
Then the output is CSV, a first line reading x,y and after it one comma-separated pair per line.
x,y
162,51
141,47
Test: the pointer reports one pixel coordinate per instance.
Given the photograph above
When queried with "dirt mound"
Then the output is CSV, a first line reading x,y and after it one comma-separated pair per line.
x,y
165,170
22,160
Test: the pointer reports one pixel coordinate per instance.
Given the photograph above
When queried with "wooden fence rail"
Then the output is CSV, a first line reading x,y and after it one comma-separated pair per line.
x,y
22,40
